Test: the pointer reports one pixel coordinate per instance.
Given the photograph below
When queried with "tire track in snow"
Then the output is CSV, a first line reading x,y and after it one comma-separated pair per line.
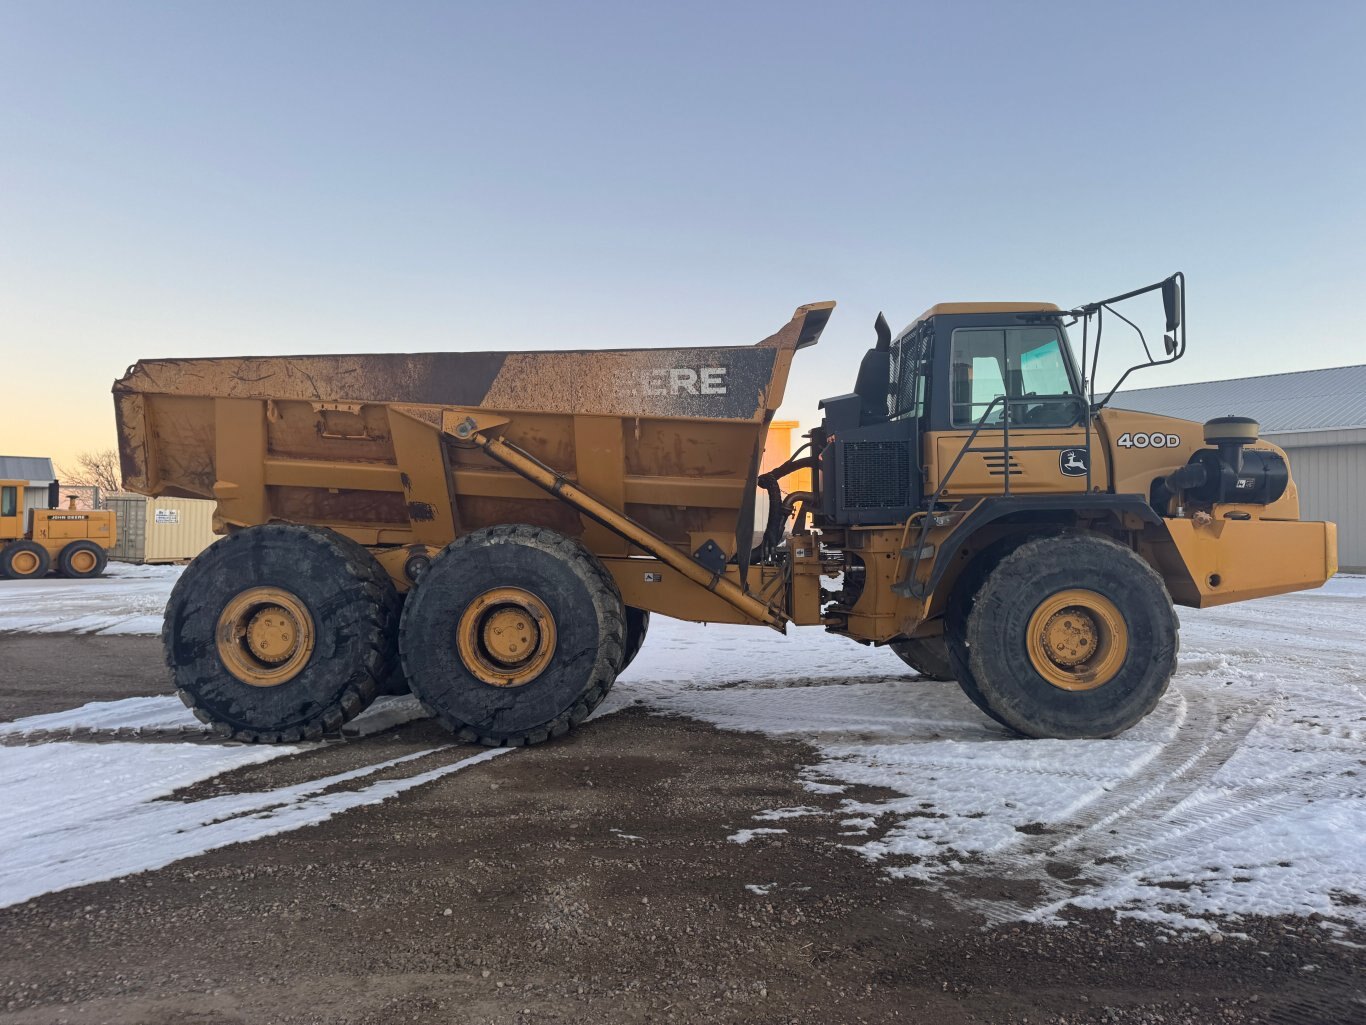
x,y
1206,737
1173,807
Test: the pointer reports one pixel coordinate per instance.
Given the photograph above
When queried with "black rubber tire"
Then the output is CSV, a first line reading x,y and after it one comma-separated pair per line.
x,y
8,553
994,655
928,656
956,615
590,624
349,598
65,556
637,626
394,683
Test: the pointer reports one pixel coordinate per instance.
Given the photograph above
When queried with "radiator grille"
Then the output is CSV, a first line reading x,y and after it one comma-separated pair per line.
x,y
877,474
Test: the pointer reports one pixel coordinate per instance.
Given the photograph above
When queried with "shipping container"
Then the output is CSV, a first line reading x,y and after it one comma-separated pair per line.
x,y
161,529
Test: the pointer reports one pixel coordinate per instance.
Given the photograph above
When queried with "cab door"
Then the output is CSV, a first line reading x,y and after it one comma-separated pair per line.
x,y
1019,383
11,509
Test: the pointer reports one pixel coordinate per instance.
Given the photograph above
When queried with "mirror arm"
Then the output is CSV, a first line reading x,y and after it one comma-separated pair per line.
x,y
1146,351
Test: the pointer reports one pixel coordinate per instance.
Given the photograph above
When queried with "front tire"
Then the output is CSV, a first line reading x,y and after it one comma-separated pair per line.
x,y
513,636
280,633
24,560
1069,636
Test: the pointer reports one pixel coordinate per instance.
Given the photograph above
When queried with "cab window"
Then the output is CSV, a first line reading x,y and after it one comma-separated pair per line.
x,y
910,365
1022,362
9,501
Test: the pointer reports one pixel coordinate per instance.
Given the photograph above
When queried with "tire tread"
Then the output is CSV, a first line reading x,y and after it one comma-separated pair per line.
x,y
357,563
604,594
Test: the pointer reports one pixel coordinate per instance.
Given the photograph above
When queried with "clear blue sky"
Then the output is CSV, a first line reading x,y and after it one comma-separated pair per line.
x,y
195,179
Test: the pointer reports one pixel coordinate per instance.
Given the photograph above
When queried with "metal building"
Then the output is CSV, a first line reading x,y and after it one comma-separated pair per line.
x,y
37,474
1317,416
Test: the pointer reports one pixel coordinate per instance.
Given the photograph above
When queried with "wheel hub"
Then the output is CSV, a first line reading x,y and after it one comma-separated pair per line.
x,y
1069,637
1077,639
272,635
25,563
510,635
83,561
506,637
265,636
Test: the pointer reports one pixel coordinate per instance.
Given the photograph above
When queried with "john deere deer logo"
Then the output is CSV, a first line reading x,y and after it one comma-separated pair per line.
x,y
1072,462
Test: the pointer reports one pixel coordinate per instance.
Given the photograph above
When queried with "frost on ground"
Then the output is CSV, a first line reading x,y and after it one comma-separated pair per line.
x,y
1242,794
126,600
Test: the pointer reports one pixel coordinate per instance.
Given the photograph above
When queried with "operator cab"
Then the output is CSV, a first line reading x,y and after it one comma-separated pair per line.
x,y
957,366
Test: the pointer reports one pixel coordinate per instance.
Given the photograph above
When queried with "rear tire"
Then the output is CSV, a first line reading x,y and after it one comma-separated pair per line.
x,y
513,636
82,560
24,560
394,683
928,656
280,633
1069,636
637,626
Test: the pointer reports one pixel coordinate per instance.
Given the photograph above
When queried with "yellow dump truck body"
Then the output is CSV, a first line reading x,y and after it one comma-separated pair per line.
x,y
537,507
671,438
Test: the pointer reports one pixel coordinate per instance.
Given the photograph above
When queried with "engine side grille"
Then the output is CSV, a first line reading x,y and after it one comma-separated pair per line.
x,y
877,474
996,465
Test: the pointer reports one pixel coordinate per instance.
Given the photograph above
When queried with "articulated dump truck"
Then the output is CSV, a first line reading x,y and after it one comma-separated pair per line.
x,y
493,531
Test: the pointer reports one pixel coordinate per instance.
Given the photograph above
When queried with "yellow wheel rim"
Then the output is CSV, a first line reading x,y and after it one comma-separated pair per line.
x,y
506,637
83,561
25,563
1077,639
265,636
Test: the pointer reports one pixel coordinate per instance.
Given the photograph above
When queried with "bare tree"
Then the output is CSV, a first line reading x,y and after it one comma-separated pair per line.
x,y
94,470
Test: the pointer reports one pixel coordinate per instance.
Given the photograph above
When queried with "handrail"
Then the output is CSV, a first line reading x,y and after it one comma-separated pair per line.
x,y
1006,402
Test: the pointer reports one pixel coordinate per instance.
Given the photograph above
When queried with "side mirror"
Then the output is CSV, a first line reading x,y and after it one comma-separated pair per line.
x,y
1171,303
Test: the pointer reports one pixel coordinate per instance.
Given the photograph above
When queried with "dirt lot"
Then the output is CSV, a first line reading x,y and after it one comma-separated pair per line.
x,y
590,880
49,672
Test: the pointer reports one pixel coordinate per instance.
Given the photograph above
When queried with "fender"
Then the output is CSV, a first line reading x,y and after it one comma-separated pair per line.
x,y
1066,509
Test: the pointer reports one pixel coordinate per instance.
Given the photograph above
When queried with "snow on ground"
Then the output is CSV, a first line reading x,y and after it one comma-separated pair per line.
x,y
126,600
116,822
163,715
1242,793
76,813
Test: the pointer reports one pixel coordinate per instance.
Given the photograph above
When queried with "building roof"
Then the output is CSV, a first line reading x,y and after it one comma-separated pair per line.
x,y
1305,400
37,470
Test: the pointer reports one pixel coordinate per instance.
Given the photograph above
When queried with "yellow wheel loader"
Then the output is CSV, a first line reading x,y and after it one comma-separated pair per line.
x,y
33,542
494,530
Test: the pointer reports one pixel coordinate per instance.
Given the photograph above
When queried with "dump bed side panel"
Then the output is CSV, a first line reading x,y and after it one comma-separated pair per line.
x,y
729,384
355,442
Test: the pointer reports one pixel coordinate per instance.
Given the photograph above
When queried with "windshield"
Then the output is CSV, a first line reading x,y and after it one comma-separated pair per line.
x,y
1022,362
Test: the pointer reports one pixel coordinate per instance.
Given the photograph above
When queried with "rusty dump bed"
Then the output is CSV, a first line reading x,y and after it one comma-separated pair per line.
x,y
366,444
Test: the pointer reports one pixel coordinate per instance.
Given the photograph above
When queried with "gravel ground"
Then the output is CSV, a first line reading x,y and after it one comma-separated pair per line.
x,y
592,880
50,672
